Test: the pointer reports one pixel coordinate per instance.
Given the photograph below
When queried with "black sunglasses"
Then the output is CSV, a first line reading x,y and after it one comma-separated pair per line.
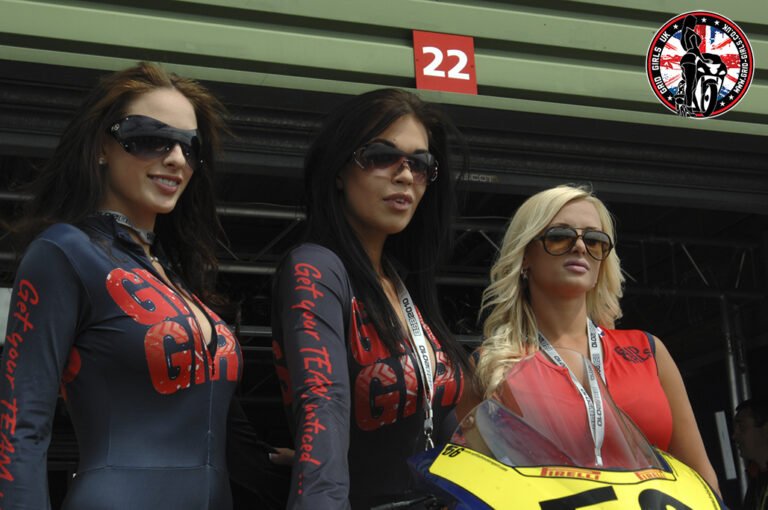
x,y
148,138
561,240
380,156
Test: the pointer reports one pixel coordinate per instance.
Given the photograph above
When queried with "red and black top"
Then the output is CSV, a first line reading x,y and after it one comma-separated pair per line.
x,y
355,409
633,380
149,401
631,376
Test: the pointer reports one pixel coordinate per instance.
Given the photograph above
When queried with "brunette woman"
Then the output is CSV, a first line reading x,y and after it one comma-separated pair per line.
x,y
109,307
369,368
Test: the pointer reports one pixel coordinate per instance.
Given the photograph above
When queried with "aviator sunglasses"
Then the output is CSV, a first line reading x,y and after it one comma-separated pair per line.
x,y
380,156
561,240
147,138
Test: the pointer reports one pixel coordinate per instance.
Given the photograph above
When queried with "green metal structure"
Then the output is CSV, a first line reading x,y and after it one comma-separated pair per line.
x,y
582,59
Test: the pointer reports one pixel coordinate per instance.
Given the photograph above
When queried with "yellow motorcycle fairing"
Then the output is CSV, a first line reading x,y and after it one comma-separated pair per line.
x,y
566,487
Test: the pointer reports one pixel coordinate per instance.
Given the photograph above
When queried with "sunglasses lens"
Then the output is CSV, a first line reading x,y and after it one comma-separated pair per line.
x,y
152,147
148,147
147,138
421,163
558,241
561,240
381,156
598,243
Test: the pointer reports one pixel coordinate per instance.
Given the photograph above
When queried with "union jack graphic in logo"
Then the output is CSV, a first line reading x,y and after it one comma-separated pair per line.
x,y
700,64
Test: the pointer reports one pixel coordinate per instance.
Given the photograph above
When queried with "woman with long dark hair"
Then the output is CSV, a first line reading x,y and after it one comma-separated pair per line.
x,y
109,306
369,369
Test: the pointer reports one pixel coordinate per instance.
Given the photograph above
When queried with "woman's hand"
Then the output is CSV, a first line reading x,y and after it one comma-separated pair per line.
x,y
282,456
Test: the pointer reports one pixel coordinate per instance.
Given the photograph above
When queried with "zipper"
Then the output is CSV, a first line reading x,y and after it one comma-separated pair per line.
x,y
208,356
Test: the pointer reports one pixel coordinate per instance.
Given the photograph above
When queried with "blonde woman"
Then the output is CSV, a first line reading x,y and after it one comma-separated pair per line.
x,y
557,284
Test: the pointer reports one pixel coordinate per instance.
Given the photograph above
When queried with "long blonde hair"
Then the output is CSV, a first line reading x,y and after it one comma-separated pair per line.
x,y
510,331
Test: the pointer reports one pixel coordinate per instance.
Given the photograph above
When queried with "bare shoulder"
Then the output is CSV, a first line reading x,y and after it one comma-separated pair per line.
x,y
471,395
664,361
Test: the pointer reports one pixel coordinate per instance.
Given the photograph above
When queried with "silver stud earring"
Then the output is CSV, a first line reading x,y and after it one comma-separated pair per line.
x,y
102,162
524,274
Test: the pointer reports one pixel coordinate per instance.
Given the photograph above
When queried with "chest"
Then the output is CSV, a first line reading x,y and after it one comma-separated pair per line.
x,y
388,387
139,325
394,301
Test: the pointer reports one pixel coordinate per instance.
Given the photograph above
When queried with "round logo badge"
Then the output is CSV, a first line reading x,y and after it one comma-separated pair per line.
x,y
700,64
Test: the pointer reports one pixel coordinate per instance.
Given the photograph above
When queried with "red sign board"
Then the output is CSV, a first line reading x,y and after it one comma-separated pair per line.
x,y
444,62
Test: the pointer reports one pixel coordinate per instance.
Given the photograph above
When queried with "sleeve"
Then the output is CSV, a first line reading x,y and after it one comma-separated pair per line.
x,y
311,292
42,323
249,464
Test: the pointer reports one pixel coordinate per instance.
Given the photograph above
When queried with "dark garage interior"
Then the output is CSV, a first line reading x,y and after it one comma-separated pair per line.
x,y
690,205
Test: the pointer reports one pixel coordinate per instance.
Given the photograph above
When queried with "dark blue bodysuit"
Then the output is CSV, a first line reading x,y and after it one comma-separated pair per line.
x,y
90,317
355,408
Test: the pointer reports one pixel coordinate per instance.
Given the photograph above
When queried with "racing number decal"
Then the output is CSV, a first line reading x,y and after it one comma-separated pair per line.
x,y
431,69
452,450
444,62
649,499
572,488
580,500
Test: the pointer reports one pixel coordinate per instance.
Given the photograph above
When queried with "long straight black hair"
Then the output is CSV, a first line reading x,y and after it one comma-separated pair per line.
x,y
70,186
416,251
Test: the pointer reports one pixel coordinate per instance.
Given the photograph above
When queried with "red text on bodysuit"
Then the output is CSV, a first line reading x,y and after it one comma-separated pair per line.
x,y
317,367
176,355
26,299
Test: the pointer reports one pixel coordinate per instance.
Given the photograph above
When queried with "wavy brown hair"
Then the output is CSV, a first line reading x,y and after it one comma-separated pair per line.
x,y
71,185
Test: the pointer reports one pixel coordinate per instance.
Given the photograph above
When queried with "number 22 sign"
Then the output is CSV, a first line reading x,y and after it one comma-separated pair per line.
x,y
444,62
